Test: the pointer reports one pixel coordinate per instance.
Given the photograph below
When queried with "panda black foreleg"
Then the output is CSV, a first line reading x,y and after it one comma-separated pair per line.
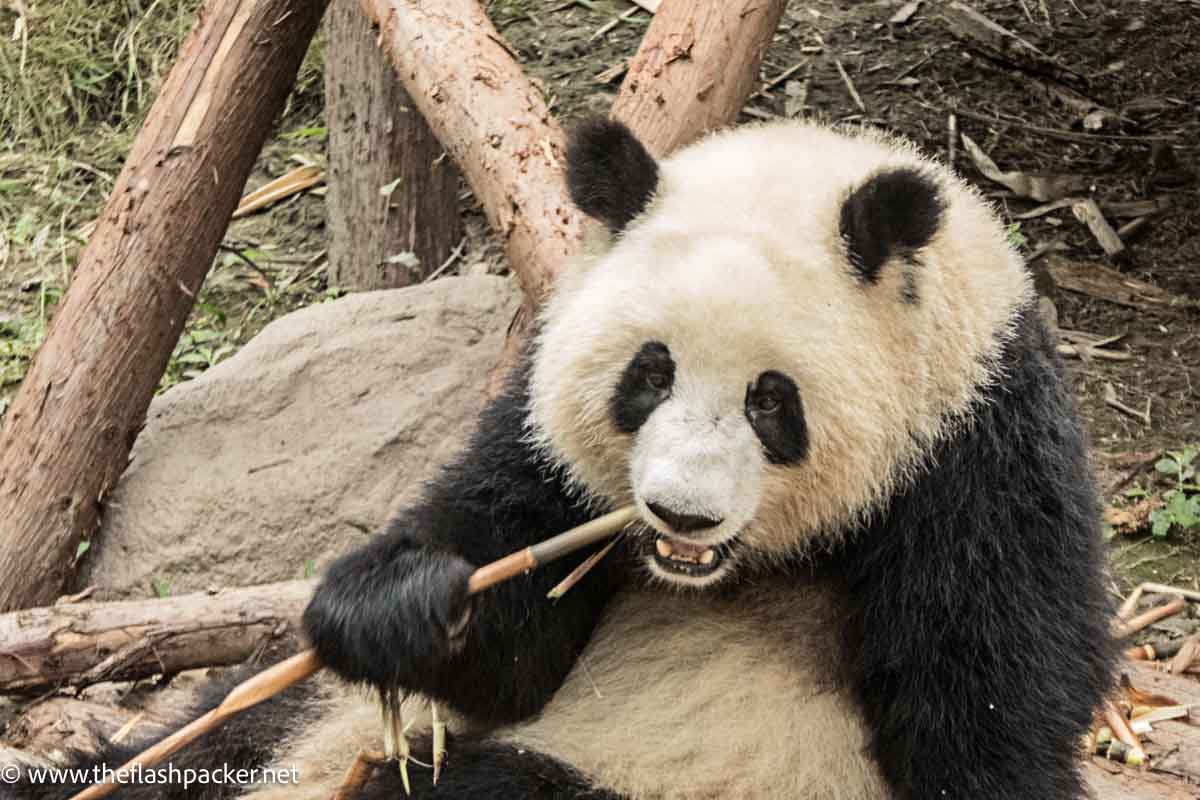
x,y
395,613
980,644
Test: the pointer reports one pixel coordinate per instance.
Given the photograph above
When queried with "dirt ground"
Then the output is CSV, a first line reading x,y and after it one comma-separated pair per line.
x,y
1106,99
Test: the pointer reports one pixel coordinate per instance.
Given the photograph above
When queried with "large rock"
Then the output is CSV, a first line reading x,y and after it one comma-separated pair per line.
x,y
301,445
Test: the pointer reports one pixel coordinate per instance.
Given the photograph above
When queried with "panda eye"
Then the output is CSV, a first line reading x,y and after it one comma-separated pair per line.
x,y
766,404
658,381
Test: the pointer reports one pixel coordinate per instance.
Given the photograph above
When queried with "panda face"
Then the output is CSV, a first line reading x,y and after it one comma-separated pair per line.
x,y
778,323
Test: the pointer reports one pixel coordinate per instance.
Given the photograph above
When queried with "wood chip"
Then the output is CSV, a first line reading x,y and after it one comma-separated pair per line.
x,y
906,12
858,101
1104,283
1087,212
1043,188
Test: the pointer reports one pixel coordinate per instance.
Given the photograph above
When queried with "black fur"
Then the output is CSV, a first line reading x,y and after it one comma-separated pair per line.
x,y
381,614
610,176
894,212
776,413
246,741
978,626
644,385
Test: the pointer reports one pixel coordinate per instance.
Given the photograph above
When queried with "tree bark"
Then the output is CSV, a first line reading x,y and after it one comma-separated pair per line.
x,y
492,120
694,69
67,436
392,190
494,123
85,643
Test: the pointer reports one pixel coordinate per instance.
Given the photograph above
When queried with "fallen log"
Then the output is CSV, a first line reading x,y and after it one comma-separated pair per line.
x,y
85,643
67,435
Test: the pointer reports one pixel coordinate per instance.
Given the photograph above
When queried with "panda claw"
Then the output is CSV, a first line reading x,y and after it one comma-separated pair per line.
x,y
439,742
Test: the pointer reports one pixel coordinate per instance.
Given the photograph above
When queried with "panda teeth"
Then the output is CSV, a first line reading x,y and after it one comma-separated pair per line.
x,y
665,550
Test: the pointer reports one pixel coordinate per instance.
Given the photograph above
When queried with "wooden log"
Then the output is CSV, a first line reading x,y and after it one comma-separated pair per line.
x,y
67,436
85,643
392,190
493,122
696,65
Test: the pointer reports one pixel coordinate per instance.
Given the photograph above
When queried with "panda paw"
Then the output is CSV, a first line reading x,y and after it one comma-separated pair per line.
x,y
391,622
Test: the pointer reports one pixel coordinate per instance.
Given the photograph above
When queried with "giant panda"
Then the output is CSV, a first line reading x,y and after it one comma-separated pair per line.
x,y
869,565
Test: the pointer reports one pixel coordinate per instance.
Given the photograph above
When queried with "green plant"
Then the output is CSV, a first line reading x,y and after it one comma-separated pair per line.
x,y
1015,237
1181,504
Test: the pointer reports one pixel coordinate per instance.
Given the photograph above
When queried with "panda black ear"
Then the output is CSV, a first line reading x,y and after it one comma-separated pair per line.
x,y
894,212
609,173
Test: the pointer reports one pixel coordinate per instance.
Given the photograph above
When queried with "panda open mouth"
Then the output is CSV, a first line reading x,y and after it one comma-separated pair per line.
x,y
686,558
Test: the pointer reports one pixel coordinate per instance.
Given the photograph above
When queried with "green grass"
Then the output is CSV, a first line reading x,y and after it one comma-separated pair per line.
x,y
76,79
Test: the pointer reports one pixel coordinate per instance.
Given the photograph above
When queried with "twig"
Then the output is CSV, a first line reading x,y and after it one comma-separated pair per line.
x,y
271,682
858,101
1154,651
1058,133
951,139
576,574
614,22
1186,655
778,79
1149,617
1120,728
1111,400
449,260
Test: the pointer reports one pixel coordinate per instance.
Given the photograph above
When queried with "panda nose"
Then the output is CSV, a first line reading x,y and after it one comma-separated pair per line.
x,y
682,523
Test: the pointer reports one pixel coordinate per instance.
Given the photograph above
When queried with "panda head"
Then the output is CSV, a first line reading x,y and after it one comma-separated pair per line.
x,y
778,325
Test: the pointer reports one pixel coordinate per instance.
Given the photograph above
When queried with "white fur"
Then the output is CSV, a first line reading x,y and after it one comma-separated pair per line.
x,y
687,697
738,267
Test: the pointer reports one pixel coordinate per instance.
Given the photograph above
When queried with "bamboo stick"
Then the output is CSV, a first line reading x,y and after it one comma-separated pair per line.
x,y
274,680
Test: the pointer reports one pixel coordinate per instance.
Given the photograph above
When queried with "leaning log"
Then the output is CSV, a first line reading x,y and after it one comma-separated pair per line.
x,y
85,643
694,69
67,435
493,122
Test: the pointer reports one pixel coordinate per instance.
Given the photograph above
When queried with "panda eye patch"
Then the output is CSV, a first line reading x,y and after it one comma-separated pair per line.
x,y
658,381
644,385
776,414
766,404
